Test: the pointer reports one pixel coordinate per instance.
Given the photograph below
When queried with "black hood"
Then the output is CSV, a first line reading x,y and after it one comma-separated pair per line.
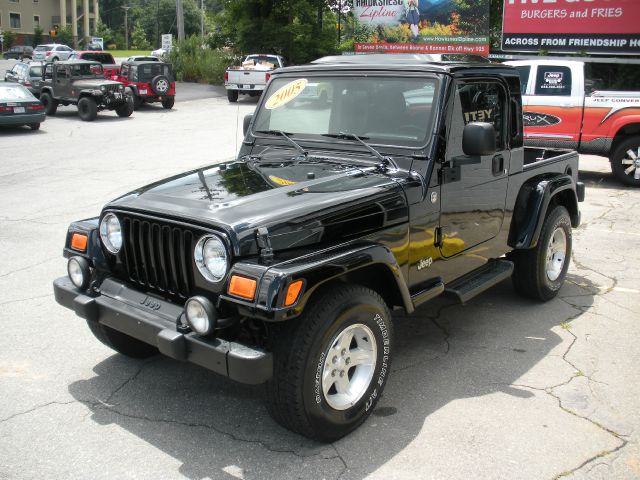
x,y
301,202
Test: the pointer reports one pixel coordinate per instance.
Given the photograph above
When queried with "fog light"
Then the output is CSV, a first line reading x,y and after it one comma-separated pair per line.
x,y
201,315
79,272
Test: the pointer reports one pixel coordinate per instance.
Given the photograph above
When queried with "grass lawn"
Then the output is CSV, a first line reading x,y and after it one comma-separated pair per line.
x,y
128,53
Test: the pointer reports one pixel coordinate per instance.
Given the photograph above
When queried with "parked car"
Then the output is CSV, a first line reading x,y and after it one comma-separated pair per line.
x,y
283,266
143,58
591,107
82,83
27,74
19,52
160,53
252,76
149,82
109,64
19,107
52,52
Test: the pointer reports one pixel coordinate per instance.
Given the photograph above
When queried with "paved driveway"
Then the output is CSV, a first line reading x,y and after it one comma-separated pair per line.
x,y
499,388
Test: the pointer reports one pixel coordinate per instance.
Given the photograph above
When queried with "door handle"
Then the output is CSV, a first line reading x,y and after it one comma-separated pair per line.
x,y
497,165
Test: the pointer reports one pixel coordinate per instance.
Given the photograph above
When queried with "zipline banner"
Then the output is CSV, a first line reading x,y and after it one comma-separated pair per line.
x,y
423,26
590,26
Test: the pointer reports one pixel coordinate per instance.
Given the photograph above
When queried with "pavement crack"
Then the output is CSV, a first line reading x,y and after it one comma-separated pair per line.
x,y
28,267
128,380
17,300
345,467
35,408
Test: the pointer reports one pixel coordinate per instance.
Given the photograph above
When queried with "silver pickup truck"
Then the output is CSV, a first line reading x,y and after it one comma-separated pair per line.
x,y
252,77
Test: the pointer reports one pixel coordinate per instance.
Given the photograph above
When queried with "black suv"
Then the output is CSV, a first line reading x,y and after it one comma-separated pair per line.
x,y
406,181
82,83
19,52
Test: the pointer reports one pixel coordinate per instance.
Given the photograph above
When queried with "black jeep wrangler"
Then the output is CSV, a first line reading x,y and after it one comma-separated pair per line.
x,y
407,181
82,83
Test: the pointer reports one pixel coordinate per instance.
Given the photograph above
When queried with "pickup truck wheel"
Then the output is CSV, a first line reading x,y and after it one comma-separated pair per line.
x,y
232,95
540,272
332,363
625,162
121,343
168,102
49,103
87,109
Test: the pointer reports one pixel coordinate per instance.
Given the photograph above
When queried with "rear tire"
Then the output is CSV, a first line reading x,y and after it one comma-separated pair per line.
x,y
168,102
34,126
87,109
50,104
121,343
539,273
624,166
232,95
331,364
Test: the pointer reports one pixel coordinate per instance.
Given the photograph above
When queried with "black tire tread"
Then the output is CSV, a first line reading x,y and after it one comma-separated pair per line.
x,y
291,343
526,273
616,161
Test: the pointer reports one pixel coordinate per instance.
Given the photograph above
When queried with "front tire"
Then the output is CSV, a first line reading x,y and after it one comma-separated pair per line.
x,y
121,343
625,162
332,363
50,104
87,109
539,273
126,109
232,95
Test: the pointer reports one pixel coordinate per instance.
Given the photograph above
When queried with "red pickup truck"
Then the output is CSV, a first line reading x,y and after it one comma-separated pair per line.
x,y
590,107
105,58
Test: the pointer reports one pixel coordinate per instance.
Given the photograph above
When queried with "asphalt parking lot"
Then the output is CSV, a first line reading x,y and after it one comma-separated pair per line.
x,y
499,388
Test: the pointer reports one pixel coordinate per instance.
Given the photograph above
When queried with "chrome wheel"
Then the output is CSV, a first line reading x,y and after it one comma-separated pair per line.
x,y
162,86
556,252
631,162
348,367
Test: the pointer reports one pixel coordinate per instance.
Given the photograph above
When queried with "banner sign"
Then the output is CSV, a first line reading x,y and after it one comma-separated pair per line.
x,y
423,26
591,26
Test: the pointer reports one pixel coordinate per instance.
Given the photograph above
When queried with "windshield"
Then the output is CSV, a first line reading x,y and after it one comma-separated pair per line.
x,y
35,71
147,71
386,111
14,92
104,58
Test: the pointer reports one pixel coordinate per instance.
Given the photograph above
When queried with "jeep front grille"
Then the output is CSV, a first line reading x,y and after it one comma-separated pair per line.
x,y
158,255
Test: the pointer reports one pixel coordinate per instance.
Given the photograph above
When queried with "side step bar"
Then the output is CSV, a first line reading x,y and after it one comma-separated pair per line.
x,y
427,293
476,282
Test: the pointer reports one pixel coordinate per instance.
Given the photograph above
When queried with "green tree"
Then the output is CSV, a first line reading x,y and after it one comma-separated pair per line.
x,y
37,36
107,34
495,29
474,18
9,39
64,35
139,38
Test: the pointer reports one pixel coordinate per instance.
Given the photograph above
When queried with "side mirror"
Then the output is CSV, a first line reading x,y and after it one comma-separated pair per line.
x,y
478,139
246,122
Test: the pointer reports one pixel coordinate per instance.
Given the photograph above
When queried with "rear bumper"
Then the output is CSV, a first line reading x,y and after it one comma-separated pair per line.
x,y
22,119
240,88
122,308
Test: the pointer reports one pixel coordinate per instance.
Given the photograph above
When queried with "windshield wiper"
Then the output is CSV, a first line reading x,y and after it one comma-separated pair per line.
x,y
384,160
289,139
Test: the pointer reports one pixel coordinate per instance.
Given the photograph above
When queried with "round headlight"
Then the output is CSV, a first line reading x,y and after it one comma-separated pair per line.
x,y
79,272
211,258
200,314
111,233
103,88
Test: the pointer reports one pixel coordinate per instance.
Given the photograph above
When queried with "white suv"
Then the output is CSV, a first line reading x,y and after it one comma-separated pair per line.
x,y
52,52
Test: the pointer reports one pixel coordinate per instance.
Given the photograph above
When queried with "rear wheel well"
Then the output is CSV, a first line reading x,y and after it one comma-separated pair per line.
x,y
623,134
568,200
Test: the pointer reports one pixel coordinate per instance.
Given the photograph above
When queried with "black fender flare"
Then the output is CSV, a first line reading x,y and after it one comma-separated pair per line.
x,y
532,204
315,270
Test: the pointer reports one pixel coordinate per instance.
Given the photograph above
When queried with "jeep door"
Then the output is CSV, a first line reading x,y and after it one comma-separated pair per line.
x,y
62,87
473,195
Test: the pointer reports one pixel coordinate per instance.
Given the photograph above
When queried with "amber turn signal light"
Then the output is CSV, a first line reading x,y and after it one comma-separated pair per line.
x,y
79,242
242,287
293,291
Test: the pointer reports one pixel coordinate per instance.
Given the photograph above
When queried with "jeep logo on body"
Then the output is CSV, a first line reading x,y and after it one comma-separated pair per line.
x,y
150,303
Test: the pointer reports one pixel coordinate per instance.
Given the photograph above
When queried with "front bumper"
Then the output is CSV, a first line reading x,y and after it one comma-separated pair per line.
x,y
153,321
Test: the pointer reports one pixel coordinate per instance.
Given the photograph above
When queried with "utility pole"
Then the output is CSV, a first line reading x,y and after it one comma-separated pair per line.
x,y
339,18
180,19
126,26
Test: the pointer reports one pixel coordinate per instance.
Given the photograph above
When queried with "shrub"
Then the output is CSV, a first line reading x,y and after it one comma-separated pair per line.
x,y
193,62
